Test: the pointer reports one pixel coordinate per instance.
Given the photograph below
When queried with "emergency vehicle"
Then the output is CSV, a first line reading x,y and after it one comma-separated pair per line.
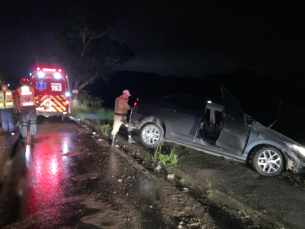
x,y
52,88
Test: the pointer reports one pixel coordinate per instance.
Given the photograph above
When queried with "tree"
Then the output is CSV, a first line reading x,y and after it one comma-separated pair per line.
x,y
85,45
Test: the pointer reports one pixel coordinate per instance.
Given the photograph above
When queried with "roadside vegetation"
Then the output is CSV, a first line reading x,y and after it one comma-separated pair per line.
x,y
294,179
89,104
104,128
169,161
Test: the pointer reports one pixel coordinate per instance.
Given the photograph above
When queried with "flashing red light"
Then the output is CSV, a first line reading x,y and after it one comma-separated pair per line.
x,y
38,69
49,70
67,102
137,103
59,70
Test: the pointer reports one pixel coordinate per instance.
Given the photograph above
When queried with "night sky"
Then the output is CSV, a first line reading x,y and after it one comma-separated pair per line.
x,y
181,38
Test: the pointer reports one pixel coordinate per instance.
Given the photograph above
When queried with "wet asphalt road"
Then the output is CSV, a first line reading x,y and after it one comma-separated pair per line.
x,y
66,180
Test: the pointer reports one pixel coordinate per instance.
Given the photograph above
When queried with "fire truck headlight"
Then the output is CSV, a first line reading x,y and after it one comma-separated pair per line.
x,y
41,74
67,94
57,75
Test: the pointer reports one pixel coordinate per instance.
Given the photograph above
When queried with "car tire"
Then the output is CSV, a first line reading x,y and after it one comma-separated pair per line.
x,y
268,161
151,135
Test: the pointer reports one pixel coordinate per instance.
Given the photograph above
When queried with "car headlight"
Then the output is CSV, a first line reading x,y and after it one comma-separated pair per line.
x,y
67,94
297,148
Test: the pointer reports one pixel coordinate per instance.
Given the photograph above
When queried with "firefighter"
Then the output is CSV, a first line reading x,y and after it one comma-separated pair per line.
x,y
6,106
25,101
120,111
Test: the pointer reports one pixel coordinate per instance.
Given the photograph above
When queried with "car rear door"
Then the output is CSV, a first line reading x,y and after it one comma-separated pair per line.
x,y
235,133
185,115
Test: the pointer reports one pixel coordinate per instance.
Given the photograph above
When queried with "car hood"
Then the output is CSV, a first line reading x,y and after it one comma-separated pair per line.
x,y
269,134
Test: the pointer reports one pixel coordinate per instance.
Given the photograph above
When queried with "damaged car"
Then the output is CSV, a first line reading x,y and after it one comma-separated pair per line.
x,y
221,130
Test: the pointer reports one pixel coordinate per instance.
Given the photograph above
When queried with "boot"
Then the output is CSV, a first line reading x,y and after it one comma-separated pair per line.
x,y
23,140
32,138
113,141
130,140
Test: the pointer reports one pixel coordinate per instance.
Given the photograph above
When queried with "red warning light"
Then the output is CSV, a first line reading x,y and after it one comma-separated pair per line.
x,y
38,69
59,70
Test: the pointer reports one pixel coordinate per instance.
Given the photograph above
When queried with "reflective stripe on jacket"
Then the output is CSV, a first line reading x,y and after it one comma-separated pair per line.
x,y
27,97
6,99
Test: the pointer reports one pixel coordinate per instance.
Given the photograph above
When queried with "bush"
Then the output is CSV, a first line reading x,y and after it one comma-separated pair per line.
x,y
89,100
90,104
104,128
169,160
108,113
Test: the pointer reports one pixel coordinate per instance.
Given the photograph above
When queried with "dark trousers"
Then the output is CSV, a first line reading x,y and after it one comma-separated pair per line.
x,y
7,119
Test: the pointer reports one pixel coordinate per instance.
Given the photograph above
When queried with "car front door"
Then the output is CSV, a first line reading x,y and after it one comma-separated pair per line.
x,y
235,133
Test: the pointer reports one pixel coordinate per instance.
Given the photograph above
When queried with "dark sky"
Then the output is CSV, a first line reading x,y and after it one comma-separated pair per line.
x,y
172,37
199,37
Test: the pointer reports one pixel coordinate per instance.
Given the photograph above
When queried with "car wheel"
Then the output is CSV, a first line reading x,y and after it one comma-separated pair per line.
x,y
268,161
152,135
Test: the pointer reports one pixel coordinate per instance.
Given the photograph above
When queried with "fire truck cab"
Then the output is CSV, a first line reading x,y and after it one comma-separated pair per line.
x,y
52,87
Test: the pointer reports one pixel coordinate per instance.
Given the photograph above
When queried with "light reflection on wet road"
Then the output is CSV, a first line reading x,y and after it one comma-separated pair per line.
x,y
38,180
48,185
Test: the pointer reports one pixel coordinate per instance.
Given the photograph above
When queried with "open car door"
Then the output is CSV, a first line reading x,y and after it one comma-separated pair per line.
x,y
235,133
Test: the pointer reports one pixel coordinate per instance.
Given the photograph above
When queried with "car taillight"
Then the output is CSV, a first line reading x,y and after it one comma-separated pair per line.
x,y
137,103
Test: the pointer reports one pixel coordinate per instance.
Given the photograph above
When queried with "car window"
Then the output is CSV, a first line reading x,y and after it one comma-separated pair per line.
x,y
207,116
218,117
190,103
232,107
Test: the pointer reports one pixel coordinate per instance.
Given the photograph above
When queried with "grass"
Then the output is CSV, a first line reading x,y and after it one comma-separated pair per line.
x,y
294,179
104,128
242,211
182,181
169,160
108,113
81,110
209,191
157,152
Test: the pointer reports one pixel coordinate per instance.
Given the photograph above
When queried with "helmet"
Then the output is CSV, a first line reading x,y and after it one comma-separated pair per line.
x,y
126,92
4,83
24,80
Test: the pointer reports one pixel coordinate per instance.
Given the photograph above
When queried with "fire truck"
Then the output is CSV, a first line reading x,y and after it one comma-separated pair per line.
x,y
52,88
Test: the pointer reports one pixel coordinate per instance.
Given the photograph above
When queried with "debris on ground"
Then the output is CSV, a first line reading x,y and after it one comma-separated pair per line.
x,y
170,176
158,168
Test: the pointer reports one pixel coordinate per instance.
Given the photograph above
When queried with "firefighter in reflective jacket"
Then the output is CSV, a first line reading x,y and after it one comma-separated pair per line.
x,y
25,101
120,112
6,106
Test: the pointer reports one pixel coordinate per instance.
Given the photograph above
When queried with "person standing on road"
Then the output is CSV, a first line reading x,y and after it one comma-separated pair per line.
x,y
120,111
6,107
25,101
